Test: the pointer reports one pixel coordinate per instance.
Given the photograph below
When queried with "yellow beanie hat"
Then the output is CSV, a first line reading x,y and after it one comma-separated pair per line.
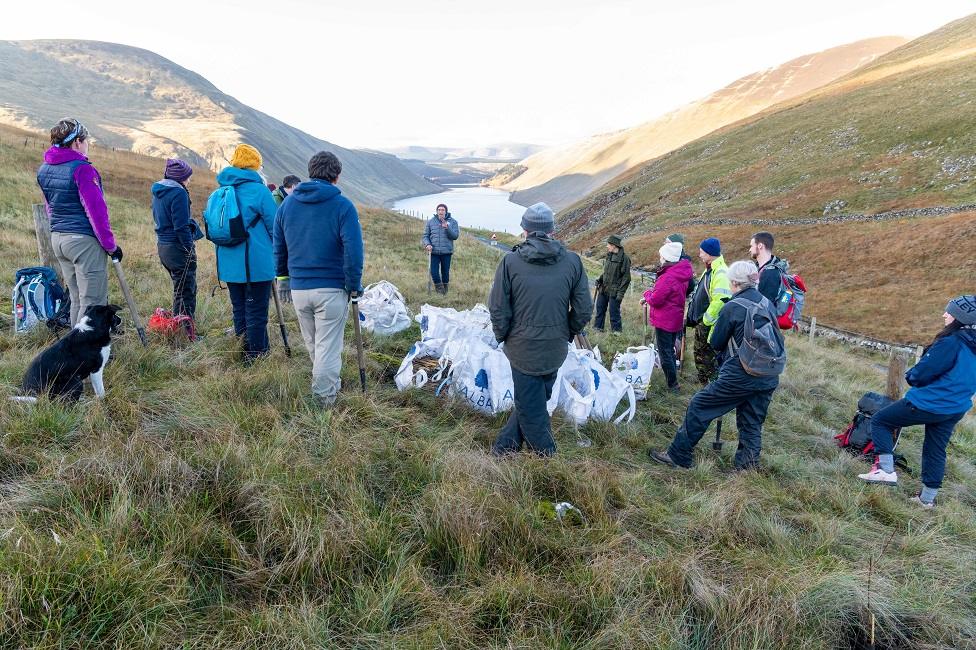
x,y
246,157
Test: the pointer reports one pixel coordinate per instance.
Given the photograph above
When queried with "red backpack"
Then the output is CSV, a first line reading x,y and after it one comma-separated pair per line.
x,y
792,295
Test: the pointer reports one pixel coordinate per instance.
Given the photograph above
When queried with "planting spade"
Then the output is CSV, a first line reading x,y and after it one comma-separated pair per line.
x,y
717,444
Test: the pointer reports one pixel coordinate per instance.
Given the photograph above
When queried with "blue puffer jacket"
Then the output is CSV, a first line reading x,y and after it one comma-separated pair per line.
x,y
254,199
318,242
439,238
944,380
171,213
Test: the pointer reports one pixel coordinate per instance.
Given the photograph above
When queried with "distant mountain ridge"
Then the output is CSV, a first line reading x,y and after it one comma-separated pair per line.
x,y
138,100
501,152
563,175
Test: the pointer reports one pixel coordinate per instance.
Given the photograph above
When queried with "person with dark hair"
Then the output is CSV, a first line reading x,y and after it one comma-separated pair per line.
x,y
81,234
942,384
771,268
176,234
735,387
612,285
318,249
539,302
248,268
287,186
440,234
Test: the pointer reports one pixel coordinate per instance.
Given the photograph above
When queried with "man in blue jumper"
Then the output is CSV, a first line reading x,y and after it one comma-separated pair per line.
x,y
318,249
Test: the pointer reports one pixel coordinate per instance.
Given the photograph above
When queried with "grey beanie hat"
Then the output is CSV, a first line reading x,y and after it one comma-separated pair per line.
x,y
963,309
539,218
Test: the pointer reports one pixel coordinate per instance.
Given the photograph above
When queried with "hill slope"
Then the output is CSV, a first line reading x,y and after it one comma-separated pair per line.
x,y
134,99
893,136
208,505
563,175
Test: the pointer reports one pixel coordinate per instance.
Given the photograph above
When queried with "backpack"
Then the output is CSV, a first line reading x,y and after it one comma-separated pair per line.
x,y
791,296
856,438
165,323
38,297
699,300
763,351
222,218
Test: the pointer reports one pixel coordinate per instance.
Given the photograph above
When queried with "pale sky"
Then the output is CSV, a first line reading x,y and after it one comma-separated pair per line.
x,y
384,73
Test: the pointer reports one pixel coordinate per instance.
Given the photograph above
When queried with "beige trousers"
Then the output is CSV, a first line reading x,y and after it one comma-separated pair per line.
x,y
322,318
82,261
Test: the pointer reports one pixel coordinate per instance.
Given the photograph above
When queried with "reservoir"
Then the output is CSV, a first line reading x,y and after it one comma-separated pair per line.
x,y
472,207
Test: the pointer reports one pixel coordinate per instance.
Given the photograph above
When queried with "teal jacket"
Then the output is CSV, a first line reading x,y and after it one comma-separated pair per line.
x,y
254,199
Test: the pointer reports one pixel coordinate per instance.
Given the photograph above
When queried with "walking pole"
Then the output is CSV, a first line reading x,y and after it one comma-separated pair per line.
x,y
132,303
281,318
717,445
430,282
354,298
646,318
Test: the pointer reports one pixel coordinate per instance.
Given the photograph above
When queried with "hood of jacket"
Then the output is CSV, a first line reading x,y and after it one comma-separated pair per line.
x,y
315,191
540,249
238,176
682,270
60,155
166,185
968,337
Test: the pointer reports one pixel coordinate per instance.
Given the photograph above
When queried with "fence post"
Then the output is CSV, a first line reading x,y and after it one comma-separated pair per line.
x,y
896,374
918,353
42,230
813,328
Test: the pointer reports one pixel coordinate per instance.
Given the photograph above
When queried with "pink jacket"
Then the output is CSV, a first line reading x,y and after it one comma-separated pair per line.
x,y
667,298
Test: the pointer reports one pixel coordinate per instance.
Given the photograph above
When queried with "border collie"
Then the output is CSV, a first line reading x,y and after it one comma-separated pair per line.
x,y
60,370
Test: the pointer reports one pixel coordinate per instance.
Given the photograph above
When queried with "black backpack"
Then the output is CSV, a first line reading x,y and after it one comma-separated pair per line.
x,y
763,350
856,438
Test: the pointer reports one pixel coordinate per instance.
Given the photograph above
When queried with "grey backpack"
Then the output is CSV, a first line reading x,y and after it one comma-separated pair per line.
x,y
763,350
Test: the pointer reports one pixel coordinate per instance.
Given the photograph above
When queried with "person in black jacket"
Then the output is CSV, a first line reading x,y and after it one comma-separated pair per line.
x,y
539,302
771,268
176,234
734,388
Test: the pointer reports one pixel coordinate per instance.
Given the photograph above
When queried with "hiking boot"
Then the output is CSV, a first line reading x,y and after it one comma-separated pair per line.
x,y
664,458
438,287
917,501
326,403
675,389
445,288
878,475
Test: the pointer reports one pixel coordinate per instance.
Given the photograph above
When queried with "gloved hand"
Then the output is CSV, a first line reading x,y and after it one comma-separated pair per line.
x,y
116,255
354,296
284,290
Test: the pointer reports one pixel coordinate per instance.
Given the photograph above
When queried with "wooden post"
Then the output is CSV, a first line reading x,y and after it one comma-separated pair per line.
x,y
918,353
42,230
813,328
896,374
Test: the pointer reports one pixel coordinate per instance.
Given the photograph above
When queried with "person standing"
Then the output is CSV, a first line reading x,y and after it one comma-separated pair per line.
x,y
248,267
612,285
771,268
943,383
539,302
176,234
735,387
711,293
318,250
667,306
440,234
81,234
287,186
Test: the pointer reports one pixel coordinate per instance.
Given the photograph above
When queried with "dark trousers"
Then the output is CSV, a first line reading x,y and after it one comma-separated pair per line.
x,y
665,348
602,302
529,422
705,361
734,389
938,430
440,268
182,267
250,303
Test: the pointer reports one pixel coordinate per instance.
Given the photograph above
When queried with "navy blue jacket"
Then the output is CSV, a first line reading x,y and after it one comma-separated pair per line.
x,y
318,242
944,380
171,212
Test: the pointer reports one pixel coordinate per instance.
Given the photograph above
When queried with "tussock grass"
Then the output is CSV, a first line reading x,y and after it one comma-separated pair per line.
x,y
204,504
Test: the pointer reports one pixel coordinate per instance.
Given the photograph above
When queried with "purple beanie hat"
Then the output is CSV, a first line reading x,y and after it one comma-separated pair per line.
x,y
177,170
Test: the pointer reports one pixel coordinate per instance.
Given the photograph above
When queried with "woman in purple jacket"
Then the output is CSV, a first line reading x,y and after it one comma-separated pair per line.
x,y
667,303
80,232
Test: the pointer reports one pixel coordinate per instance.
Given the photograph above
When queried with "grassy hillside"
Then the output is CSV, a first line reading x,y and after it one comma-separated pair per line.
x,y
134,99
205,505
891,137
563,175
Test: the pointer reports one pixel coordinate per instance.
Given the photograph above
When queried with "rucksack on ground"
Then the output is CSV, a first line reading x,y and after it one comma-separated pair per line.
x,y
222,218
38,297
856,438
791,296
763,350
